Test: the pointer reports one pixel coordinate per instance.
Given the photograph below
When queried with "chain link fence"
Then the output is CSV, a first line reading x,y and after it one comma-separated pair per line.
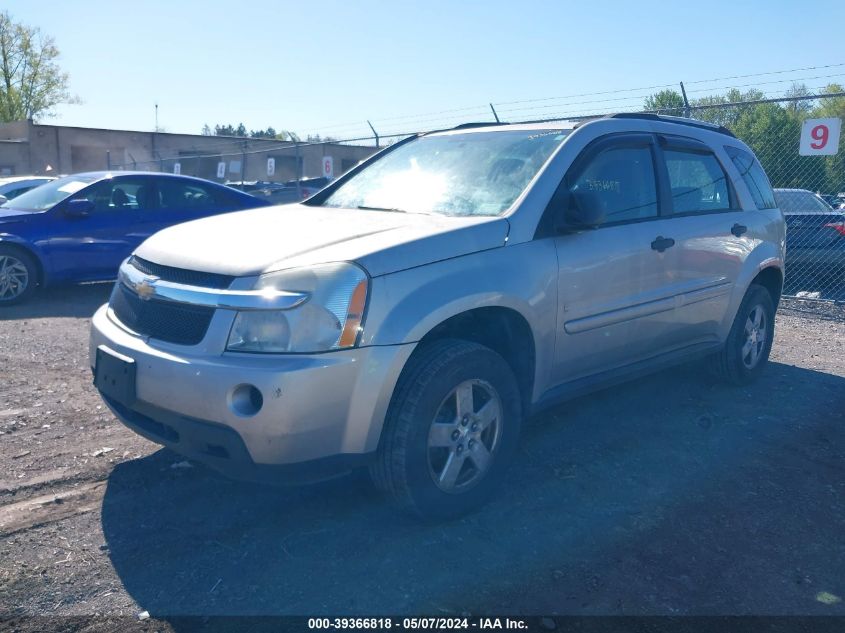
x,y
810,190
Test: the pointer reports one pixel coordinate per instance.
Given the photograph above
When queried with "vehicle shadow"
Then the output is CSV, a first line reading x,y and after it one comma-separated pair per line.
x,y
76,301
669,495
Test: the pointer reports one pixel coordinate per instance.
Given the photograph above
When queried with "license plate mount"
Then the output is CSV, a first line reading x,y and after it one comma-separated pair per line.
x,y
114,376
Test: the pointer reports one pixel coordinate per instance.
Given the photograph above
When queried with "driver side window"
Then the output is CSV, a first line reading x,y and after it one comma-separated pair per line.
x,y
621,182
120,195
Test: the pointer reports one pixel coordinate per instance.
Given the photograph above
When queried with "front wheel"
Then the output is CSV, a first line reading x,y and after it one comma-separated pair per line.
x,y
452,427
18,276
746,351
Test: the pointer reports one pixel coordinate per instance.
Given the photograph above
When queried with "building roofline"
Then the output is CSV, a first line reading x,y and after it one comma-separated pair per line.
x,y
250,139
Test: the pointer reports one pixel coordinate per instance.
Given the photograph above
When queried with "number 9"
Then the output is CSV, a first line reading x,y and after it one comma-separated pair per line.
x,y
820,133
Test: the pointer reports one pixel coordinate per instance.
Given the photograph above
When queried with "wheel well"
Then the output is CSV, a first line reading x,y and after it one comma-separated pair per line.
x,y
503,330
772,280
39,267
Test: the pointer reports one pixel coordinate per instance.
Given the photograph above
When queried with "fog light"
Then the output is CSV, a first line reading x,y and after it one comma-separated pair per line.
x,y
246,400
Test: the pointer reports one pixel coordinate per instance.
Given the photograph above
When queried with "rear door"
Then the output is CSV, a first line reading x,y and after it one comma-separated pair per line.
x,y
176,200
712,238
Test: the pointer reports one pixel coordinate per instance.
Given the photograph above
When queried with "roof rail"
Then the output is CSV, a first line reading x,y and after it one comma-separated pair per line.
x,y
672,119
464,126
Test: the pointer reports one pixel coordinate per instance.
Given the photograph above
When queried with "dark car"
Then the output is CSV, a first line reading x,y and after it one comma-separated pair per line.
x,y
251,185
815,235
289,192
79,228
14,186
309,186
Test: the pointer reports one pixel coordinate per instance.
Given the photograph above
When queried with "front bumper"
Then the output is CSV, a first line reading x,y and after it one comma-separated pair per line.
x,y
321,412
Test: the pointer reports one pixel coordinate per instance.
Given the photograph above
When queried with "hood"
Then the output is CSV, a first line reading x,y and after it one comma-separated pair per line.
x,y
14,215
272,238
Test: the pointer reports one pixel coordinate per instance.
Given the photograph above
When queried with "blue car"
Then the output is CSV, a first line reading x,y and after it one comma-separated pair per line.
x,y
79,228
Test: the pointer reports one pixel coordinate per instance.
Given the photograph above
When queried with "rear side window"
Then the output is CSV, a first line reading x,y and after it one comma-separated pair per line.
x,y
754,177
697,181
179,195
621,180
119,195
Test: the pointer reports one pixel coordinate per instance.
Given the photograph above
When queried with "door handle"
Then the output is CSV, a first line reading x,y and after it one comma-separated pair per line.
x,y
738,229
661,243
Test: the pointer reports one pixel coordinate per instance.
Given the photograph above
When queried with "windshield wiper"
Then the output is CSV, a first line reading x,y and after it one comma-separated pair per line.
x,y
394,209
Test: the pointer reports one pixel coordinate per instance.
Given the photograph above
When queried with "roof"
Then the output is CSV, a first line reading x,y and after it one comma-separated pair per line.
x,y
10,179
157,174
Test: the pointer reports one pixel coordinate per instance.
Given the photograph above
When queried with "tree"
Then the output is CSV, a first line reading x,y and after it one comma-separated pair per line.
x,y
224,130
721,115
31,82
830,107
665,102
801,106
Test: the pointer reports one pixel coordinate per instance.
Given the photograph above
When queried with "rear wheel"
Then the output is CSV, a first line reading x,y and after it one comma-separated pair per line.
x,y
18,276
750,340
452,428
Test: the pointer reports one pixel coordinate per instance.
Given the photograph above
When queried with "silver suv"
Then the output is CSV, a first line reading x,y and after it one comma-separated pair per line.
x,y
410,316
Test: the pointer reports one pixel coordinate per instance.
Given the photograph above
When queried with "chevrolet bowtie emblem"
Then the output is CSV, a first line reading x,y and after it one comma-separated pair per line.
x,y
146,288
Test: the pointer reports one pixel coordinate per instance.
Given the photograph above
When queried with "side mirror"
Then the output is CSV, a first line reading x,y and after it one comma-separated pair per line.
x,y
78,208
582,211
3,198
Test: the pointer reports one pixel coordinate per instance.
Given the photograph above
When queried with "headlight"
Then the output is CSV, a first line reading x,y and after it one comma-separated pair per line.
x,y
329,319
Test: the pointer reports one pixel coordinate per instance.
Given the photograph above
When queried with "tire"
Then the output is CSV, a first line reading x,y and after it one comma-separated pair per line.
x,y
431,459
738,363
18,276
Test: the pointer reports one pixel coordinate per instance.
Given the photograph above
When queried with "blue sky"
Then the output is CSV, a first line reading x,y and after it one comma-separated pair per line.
x,y
329,66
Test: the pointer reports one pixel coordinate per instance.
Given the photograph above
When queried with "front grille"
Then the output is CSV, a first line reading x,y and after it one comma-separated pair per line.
x,y
163,320
181,275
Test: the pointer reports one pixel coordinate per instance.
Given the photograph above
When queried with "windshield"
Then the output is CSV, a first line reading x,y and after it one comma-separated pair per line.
x,y
459,174
49,194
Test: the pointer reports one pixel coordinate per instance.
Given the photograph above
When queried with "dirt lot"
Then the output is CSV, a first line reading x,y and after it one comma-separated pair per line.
x,y
670,495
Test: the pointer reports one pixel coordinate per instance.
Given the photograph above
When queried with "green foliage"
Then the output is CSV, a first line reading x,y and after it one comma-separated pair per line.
x,y
31,82
667,102
772,130
240,130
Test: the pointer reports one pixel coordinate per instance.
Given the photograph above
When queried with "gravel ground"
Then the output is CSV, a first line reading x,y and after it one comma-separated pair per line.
x,y
669,495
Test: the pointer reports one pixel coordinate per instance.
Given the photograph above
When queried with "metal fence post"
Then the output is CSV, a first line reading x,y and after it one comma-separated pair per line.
x,y
686,101
374,132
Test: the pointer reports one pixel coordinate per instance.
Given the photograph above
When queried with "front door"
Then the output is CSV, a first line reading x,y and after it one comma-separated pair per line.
x,y
612,280
92,247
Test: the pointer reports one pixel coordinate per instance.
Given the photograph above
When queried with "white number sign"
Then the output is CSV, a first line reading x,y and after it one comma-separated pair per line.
x,y
820,137
271,166
328,167
221,169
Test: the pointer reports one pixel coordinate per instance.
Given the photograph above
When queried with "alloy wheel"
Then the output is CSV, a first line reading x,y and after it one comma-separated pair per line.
x,y
464,436
14,277
756,332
